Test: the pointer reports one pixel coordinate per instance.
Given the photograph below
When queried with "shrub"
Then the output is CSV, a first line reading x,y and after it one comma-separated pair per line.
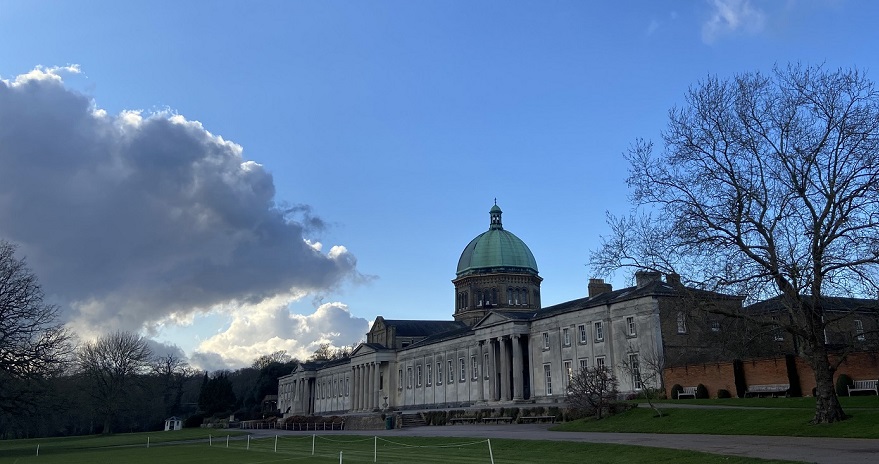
x,y
701,391
723,393
194,420
842,384
675,389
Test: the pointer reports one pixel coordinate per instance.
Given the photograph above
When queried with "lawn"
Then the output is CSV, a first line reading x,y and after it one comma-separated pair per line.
x,y
756,421
848,402
353,449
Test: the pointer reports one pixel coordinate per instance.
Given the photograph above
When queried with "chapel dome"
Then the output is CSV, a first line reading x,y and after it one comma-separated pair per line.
x,y
496,250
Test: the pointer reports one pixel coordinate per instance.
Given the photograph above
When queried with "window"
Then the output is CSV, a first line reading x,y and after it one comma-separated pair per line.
x,y
439,372
569,372
584,364
451,372
682,322
463,369
859,330
599,332
566,336
408,377
582,329
547,373
347,386
630,325
545,340
429,375
474,366
485,366
636,371
599,363
418,376
400,379
777,333
336,391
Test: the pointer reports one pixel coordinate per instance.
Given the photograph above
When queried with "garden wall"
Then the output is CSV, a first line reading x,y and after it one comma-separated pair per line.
x,y
717,376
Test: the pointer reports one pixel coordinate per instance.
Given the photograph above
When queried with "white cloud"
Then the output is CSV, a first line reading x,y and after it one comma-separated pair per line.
x,y
732,16
140,219
269,326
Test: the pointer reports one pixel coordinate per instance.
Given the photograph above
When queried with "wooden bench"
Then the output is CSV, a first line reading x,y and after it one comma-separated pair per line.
x,y
773,390
462,420
687,391
863,385
550,419
497,420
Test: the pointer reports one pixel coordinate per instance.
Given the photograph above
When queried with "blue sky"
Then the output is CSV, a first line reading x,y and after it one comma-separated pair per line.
x,y
389,127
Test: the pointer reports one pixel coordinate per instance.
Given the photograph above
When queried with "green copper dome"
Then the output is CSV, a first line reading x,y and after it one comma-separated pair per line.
x,y
496,250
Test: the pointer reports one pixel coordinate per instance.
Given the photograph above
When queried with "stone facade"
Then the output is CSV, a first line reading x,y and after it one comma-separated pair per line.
x,y
503,348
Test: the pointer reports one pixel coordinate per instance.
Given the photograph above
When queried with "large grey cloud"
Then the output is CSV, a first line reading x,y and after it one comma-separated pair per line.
x,y
131,219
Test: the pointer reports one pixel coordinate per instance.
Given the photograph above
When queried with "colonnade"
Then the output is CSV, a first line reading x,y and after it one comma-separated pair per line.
x,y
366,385
506,368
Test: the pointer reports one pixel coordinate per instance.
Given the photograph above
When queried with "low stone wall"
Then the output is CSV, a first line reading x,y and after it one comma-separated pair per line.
x,y
369,422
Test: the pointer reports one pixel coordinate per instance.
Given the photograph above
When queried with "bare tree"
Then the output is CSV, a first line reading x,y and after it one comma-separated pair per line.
x,y
279,357
592,391
33,343
645,368
768,187
114,365
172,372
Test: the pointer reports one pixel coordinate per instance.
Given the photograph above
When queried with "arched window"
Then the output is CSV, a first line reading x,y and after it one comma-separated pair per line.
x,y
465,299
509,296
524,299
494,296
480,300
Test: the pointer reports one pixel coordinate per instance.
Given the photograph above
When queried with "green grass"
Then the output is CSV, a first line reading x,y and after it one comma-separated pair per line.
x,y
777,422
356,449
856,402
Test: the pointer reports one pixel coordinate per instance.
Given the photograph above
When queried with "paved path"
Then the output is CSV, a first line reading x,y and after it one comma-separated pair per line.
x,y
820,450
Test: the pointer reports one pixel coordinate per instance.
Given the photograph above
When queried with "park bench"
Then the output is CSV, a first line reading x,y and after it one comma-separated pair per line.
x,y
550,419
863,385
462,420
497,420
687,391
773,390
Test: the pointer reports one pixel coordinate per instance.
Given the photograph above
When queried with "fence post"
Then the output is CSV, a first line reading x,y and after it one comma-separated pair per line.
x,y
248,442
490,454
276,443
227,441
312,444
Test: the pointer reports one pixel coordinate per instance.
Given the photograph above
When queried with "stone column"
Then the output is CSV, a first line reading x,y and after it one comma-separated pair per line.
x,y
492,376
480,373
376,397
518,384
505,370
370,390
352,398
361,396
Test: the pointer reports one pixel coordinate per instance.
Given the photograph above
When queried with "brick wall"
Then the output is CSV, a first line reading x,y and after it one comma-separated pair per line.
x,y
716,376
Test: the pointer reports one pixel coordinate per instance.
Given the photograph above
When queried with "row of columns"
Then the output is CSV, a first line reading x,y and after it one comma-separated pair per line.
x,y
367,380
302,394
505,355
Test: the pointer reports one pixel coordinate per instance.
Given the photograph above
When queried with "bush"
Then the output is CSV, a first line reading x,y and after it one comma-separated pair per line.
x,y
723,393
675,389
842,384
701,391
194,420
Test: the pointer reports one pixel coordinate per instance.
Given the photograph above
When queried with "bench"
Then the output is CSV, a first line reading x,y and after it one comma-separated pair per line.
x,y
773,390
462,420
497,420
687,391
863,385
550,419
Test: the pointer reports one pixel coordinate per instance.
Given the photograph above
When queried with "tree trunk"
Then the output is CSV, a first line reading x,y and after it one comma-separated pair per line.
x,y
827,407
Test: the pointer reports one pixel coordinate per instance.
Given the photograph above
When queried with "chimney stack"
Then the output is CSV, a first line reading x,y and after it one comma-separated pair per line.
x,y
597,287
644,278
